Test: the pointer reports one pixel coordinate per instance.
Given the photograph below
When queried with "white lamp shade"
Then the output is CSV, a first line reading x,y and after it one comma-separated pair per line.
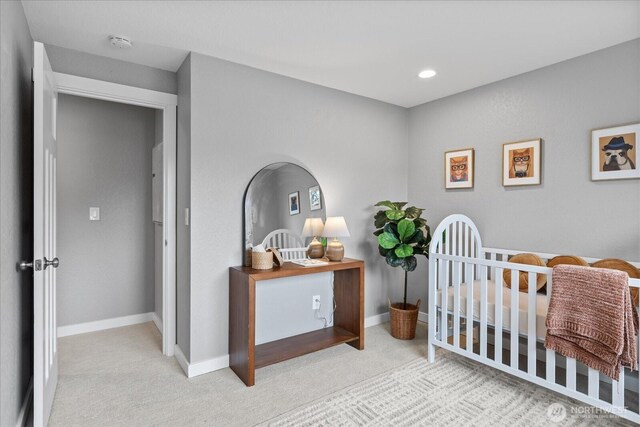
x,y
312,227
335,227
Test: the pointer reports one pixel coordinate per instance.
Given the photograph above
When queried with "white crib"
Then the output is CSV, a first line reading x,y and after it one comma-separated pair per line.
x,y
467,293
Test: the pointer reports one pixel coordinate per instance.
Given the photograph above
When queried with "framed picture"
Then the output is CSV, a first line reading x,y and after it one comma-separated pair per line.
x,y
521,163
614,152
294,203
314,198
458,168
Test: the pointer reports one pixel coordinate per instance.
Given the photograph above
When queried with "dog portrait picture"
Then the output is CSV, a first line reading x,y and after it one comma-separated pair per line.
x,y
615,153
521,163
458,168
294,203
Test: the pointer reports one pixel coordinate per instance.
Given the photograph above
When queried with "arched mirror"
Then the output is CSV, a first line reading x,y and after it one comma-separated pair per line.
x,y
281,196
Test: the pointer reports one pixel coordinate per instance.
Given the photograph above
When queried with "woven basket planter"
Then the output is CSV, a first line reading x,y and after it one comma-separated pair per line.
x,y
262,260
403,322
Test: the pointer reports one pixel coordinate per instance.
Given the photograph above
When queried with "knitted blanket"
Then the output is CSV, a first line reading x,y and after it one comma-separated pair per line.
x,y
591,318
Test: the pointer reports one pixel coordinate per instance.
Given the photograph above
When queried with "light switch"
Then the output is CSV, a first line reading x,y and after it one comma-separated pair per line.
x,y
94,214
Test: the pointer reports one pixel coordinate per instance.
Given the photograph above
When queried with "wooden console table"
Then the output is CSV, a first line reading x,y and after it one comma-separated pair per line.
x,y
245,357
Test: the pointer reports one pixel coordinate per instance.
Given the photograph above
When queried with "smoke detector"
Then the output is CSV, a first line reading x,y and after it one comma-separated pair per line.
x,y
120,42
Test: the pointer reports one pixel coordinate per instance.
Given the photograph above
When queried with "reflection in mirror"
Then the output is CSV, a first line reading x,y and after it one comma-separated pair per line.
x,y
281,197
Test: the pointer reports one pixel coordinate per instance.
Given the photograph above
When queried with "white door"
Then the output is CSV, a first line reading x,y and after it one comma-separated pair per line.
x,y
45,358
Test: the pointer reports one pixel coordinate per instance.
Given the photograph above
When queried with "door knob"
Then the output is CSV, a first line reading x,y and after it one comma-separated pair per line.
x,y
24,265
54,262
36,265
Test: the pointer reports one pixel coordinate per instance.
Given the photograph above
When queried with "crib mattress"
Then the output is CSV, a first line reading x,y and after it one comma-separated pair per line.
x,y
541,307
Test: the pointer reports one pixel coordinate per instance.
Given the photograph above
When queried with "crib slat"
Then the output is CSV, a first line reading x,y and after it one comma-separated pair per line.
x,y
483,311
492,257
454,238
457,267
594,383
513,336
460,234
571,373
531,323
469,332
466,241
444,280
551,355
617,390
498,316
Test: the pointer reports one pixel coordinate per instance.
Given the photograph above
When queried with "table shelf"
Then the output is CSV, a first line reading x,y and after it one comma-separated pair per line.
x,y
245,357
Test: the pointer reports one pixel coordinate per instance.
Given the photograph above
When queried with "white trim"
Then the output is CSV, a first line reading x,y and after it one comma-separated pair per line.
x,y
182,360
97,89
23,415
101,325
156,321
200,368
423,317
376,320
107,91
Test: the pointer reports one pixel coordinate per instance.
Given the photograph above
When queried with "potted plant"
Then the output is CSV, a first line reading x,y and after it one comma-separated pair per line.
x,y
402,236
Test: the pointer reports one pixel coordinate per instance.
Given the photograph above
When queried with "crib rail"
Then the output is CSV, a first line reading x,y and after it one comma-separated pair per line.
x,y
509,335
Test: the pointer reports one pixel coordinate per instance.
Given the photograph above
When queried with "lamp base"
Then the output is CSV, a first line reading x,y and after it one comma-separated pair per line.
x,y
315,250
335,250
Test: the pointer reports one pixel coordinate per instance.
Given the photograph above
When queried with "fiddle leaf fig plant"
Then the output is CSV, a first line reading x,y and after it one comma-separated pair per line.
x,y
402,234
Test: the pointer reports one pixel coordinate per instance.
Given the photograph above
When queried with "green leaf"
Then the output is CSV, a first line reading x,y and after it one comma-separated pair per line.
x,y
391,228
393,260
386,203
387,240
378,232
383,251
406,229
399,205
415,238
404,251
380,219
413,212
409,264
394,214
420,223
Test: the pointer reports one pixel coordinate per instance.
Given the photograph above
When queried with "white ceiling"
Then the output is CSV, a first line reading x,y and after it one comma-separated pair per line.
x,y
374,49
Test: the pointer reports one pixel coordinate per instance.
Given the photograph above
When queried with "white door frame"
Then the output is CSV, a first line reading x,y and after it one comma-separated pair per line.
x,y
98,89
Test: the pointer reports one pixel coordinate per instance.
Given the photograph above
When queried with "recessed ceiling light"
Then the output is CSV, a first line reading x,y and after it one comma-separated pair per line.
x,y
425,74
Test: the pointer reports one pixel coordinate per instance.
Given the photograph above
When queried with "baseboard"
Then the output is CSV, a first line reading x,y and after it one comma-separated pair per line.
x,y
182,360
200,368
376,320
157,321
100,325
384,317
23,416
423,317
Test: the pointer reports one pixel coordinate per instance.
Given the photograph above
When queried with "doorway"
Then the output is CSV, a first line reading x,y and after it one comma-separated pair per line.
x,y
158,220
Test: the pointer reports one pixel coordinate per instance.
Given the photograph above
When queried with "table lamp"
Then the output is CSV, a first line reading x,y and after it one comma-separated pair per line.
x,y
335,227
313,228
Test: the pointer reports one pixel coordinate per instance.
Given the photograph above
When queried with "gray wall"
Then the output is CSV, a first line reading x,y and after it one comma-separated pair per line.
x,y
183,185
83,64
562,103
104,160
243,119
16,210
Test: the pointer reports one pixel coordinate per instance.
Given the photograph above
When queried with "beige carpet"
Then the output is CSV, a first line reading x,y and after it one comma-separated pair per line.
x,y
119,377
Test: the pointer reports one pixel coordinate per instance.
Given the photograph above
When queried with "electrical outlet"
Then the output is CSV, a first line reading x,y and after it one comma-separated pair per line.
x,y
316,302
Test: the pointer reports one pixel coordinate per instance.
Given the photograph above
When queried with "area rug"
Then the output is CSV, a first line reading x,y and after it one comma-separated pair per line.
x,y
453,391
